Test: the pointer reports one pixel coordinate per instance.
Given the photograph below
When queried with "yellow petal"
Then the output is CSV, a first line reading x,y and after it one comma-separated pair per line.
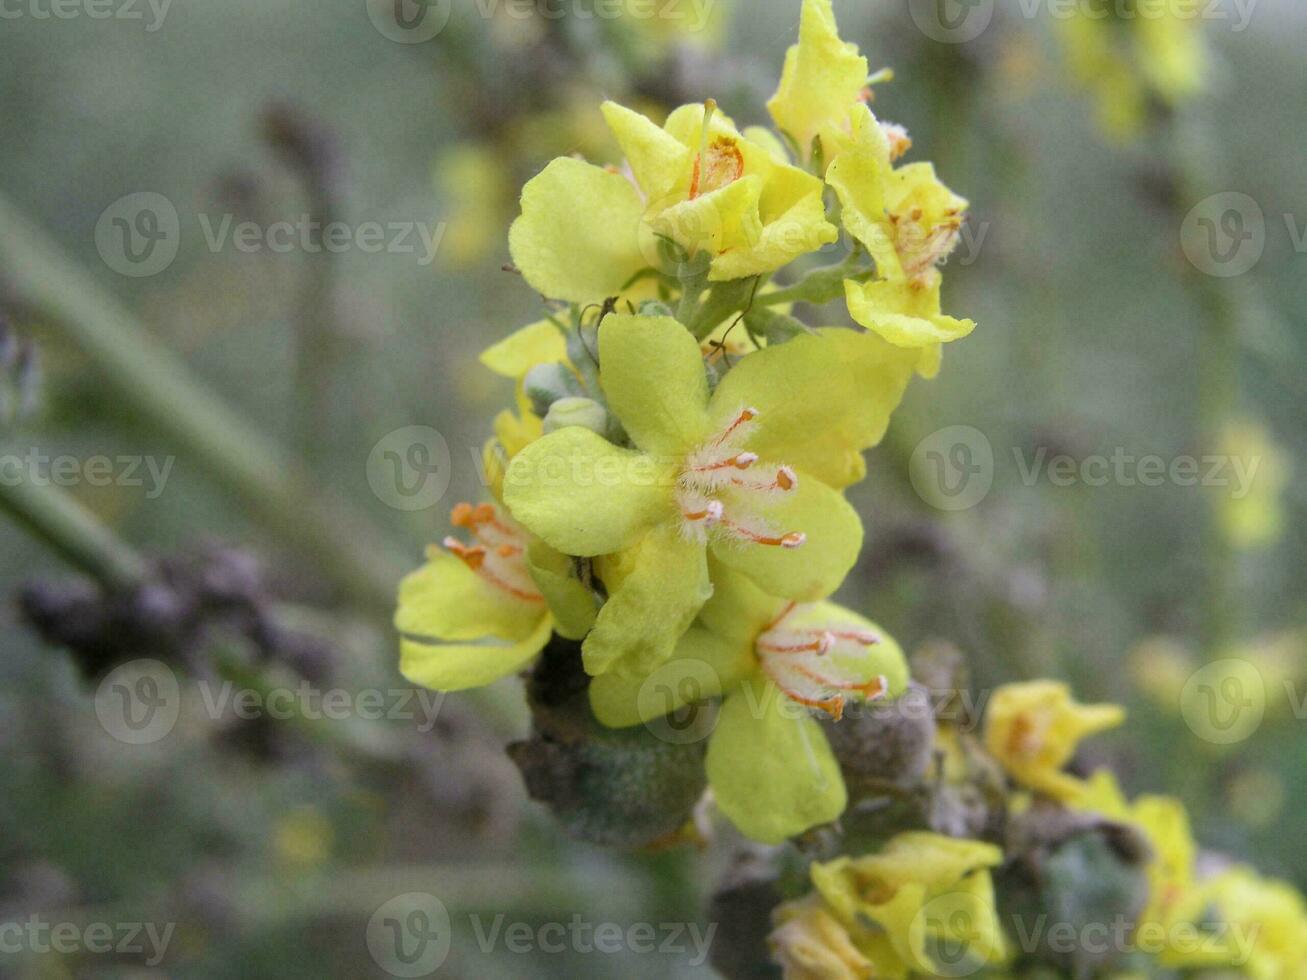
x,y
578,237
584,496
659,161
816,568
462,666
515,355
822,79
655,591
821,400
770,767
572,604
653,376
446,600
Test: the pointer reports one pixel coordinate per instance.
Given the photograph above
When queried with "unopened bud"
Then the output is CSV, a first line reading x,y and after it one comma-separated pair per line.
x,y
572,411
546,384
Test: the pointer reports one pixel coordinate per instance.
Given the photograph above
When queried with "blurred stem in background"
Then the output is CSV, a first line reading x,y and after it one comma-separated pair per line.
x,y
1196,168
295,509
309,150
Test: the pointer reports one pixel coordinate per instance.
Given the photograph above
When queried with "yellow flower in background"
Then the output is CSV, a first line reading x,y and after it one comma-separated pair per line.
x,y
476,187
809,943
1161,667
1266,924
1156,52
1252,511
923,894
1033,729
303,838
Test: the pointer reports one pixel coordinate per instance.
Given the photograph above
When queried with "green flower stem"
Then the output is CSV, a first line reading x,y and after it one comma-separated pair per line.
x,y
162,390
54,517
820,286
1195,163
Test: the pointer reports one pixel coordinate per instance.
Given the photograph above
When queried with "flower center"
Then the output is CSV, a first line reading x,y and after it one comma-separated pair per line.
x,y
498,551
811,663
719,161
717,490
922,247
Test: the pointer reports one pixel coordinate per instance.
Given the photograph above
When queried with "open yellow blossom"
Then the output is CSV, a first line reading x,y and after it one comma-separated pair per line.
x,y
750,473
923,894
707,186
1033,729
905,216
824,77
809,943
773,662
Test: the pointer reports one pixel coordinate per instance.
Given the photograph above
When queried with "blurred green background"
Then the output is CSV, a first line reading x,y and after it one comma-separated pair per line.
x,y
270,847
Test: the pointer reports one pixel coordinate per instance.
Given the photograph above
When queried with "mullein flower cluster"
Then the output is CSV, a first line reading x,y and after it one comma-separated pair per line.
x,y
668,489
1132,56
929,905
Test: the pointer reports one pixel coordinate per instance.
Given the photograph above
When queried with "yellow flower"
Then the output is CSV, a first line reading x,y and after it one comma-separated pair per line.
x,y
907,316
481,610
924,896
823,79
905,216
475,184
707,186
750,473
1266,924
1156,53
1033,730
1252,512
770,767
810,944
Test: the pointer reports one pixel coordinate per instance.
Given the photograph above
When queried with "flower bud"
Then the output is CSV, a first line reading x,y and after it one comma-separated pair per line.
x,y
546,384
572,411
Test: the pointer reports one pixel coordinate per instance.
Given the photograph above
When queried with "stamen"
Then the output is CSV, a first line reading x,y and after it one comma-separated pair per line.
x,y
794,539
746,416
805,664
497,554
740,461
785,481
